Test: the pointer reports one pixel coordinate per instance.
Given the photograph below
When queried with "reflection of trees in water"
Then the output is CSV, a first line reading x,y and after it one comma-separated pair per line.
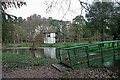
x,y
46,52
37,53
26,52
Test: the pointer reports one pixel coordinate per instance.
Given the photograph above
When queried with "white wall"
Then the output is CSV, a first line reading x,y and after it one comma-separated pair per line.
x,y
50,39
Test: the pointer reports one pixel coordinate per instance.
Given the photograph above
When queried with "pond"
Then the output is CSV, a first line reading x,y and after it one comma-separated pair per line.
x,y
50,52
44,52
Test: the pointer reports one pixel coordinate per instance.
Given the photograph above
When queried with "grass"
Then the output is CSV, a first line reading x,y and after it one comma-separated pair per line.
x,y
16,60
46,45
17,45
61,44
43,45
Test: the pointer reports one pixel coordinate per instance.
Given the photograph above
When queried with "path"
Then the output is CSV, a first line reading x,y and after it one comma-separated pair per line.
x,y
49,72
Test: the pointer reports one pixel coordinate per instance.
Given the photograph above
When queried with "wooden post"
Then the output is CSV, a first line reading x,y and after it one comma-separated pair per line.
x,y
90,40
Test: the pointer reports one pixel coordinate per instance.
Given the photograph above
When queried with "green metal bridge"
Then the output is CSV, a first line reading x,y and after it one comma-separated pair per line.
x,y
85,55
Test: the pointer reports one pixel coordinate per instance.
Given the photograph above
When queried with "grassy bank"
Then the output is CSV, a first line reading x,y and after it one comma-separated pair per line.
x,y
61,44
43,45
16,60
17,45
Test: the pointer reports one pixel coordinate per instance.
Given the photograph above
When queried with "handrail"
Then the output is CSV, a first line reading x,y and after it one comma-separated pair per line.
x,y
71,52
96,43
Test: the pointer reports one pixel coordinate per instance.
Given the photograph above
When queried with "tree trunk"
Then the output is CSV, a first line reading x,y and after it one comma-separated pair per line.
x,y
114,36
102,31
101,35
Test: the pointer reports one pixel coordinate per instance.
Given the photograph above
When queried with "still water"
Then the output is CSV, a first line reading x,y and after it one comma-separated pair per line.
x,y
46,52
50,52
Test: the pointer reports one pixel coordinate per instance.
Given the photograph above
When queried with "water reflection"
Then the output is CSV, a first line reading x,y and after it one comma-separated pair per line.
x,y
46,52
50,52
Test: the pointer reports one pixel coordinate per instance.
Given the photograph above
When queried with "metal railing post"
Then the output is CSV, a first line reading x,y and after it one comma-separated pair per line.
x,y
117,44
101,51
109,45
58,50
74,51
69,58
87,53
113,43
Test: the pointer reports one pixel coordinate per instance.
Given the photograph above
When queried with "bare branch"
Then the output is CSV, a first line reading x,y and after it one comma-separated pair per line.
x,y
117,2
55,3
67,9
61,7
85,5
12,3
50,6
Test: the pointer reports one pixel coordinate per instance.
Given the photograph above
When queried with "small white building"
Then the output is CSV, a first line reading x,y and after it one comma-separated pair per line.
x,y
49,37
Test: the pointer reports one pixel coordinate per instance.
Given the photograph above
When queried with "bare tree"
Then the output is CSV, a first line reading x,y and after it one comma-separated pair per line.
x,y
60,5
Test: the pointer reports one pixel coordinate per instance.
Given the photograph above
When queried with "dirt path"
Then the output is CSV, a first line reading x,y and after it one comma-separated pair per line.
x,y
32,72
50,72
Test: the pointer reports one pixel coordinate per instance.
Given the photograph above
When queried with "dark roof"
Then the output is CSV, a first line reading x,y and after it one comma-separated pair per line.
x,y
49,31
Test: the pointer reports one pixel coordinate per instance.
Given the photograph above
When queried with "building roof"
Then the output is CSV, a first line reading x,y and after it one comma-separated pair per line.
x,y
48,31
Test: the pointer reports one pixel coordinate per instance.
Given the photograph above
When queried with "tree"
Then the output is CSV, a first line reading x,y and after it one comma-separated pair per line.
x,y
78,25
38,39
98,16
99,23
10,4
36,24
61,27
7,32
60,5
114,23
7,19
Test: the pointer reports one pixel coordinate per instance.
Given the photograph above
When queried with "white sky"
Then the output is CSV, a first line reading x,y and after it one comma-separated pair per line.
x,y
38,7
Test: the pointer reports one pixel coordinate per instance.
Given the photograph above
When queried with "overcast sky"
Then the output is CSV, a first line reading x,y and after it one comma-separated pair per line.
x,y
39,7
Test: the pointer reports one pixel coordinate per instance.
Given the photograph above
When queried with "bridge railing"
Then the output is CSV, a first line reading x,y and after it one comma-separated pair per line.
x,y
89,54
59,49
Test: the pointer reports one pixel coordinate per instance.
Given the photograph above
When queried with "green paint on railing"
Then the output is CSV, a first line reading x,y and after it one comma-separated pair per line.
x,y
89,54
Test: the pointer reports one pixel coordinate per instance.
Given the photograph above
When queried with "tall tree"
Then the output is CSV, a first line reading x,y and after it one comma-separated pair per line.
x,y
114,23
98,16
78,25
5,4
7,32
7,19
61,27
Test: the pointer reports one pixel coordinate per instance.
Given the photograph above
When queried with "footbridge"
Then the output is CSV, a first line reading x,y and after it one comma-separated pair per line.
x,y
88,54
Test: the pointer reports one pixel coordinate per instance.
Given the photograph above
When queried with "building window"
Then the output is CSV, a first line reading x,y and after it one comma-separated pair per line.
x,y
48,35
